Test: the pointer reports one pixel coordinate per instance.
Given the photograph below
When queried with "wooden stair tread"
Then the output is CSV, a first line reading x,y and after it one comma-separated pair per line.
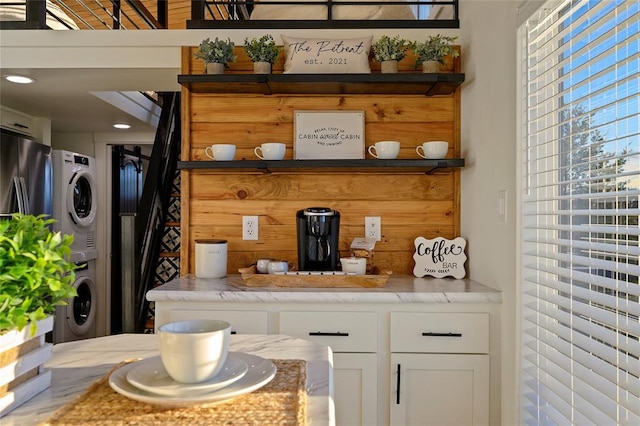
x,y
173,254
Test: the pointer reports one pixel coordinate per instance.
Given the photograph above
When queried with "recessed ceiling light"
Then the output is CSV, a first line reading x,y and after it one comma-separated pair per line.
x,y
121,126
20,79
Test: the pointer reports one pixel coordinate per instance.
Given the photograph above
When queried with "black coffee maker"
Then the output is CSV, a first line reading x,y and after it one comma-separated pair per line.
x,y
318,232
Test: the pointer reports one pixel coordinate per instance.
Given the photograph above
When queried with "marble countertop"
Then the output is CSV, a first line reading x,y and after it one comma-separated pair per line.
x,y
76,365
398,289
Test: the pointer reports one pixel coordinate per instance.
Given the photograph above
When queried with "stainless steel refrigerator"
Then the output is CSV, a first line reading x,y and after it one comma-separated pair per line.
x,y
26,180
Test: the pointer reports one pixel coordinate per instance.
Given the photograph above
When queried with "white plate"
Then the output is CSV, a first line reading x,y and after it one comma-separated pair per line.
x,y
150,375
261,371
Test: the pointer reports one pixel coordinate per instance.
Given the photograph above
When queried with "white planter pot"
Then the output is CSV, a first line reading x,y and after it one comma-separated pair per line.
x,y
431,67
215,68
22,357
262,67
389,67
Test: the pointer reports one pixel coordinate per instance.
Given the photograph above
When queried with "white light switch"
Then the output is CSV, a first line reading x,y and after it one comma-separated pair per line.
x,y
502,206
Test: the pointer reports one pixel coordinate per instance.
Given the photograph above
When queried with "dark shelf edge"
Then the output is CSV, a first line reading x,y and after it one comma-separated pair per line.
x,y
309,164
400,83
401,77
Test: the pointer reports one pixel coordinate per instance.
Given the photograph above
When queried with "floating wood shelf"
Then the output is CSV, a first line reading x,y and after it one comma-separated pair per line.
x,y
424,166
354,84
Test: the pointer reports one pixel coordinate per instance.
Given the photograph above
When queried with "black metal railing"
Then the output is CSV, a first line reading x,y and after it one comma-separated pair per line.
x,y
110,14
237,14
284,14
156,194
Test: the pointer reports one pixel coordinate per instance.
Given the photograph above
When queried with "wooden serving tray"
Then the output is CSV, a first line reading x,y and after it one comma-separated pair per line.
x,y
252,278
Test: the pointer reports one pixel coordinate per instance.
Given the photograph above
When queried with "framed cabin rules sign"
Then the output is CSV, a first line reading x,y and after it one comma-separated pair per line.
x,y
327,135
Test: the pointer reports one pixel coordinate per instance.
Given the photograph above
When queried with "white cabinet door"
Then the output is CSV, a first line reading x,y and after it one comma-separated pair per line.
x,y
16,121
355,378
439,389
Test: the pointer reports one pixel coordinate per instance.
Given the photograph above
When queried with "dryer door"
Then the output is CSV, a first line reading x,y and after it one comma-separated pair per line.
x,y
81,199
81,310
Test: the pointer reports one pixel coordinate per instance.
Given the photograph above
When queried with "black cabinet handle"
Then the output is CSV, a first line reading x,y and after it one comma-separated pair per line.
x,y
322,333
442,334
21,126
234,332
398,386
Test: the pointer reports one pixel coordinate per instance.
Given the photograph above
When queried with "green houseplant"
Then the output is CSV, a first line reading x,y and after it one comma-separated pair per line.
x,y
263,52
431,52
215,52
35,275
389,50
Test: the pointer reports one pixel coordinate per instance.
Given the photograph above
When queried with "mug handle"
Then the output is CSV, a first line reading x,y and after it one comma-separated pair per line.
x,y
418,149
372,150
210,155
256,149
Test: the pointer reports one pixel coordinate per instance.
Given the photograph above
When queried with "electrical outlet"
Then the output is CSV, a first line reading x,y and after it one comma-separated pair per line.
x,y
249,227
372,228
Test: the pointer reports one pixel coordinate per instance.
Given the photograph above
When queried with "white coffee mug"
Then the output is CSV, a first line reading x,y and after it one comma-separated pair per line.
x,y
433,150
270,151
194,351
278,266
221,151
262,265
385,150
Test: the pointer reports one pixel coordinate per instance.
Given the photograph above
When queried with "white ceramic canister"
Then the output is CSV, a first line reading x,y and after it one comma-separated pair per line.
x,y
211,258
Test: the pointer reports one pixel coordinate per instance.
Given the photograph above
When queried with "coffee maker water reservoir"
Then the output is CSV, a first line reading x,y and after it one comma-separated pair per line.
x,y
318,233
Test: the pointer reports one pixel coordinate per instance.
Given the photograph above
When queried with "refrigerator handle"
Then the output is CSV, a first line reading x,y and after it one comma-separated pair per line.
x,y
25,196
19,197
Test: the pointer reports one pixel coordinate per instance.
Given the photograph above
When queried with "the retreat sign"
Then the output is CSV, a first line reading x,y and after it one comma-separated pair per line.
x,y
440,257
329,135
326,56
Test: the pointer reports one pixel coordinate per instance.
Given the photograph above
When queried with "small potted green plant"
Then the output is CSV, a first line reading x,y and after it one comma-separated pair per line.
x,y
263,52
35,274
389,51
216,54
35,277
431,52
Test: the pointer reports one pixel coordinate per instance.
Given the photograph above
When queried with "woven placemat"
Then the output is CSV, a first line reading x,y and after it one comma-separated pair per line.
x,y
281,402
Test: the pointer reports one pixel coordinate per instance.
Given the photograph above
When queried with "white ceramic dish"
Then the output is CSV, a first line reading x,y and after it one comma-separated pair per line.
x,y
261,371
150,375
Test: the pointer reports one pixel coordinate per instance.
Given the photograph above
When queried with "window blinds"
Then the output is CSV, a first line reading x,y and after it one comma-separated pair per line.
x,y
579,272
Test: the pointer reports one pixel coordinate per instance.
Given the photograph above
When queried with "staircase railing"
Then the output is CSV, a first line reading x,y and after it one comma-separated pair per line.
x,y
37,11
232,14
156,193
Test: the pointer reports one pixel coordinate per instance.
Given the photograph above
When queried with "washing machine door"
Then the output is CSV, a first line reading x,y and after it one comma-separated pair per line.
x,y
81,199
81,310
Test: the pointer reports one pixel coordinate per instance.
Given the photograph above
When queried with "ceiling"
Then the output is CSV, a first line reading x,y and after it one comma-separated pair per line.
x,y
68,97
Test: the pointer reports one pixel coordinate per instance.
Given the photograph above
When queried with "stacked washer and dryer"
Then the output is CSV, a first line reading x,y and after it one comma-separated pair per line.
x,y
75,208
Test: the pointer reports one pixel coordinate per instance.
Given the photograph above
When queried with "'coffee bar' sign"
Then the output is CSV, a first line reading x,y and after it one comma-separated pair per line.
x,y
440,257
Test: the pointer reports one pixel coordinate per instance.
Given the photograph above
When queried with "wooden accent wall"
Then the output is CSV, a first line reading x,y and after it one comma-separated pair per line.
x,y
409,204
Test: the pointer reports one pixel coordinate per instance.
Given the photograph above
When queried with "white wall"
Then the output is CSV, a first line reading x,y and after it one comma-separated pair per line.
x,y
81,143
488,120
